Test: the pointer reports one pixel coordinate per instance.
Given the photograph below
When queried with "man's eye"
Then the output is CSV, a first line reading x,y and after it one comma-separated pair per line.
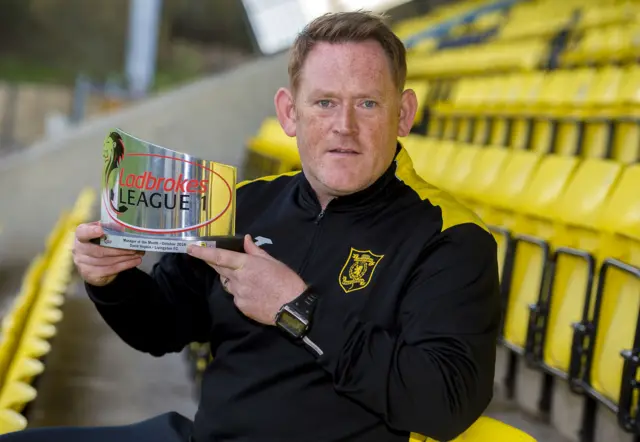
x,y
369,104
324,103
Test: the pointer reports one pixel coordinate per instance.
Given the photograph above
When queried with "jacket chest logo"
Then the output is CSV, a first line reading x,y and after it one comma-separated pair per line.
x,y
358,270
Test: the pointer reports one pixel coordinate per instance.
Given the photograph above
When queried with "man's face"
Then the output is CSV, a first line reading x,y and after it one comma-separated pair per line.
x,y
347,114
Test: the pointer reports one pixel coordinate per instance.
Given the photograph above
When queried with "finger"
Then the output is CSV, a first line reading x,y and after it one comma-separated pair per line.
x,y
96,251
106,261
94,272
252,249
218,257
224,272
87,232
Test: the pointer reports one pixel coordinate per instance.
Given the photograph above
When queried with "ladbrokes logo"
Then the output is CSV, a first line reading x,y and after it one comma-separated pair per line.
x,y
147,181
145,189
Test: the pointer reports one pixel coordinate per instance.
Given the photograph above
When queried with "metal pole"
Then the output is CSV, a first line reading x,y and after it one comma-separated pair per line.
x,y
144,24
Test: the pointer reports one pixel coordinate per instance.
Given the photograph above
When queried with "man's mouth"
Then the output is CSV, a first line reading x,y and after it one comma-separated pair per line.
x,y
344,151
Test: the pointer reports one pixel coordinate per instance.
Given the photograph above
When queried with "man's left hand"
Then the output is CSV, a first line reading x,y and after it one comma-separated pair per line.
x,y
259,283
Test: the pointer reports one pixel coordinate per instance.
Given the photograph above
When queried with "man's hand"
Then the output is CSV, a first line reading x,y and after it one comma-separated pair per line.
x,y
259,283
99,265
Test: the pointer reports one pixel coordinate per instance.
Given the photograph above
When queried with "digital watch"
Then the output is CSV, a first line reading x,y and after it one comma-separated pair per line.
x,y
294,317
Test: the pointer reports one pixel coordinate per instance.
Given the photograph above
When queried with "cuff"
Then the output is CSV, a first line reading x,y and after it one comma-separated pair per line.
x,y
331,327
117,291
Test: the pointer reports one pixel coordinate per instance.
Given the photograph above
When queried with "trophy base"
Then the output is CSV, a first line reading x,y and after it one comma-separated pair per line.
x,y
119,240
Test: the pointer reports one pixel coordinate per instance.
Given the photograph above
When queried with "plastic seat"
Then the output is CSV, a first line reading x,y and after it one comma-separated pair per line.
x,y
533,228
414,144
460,167
489,162
15,395
485,429
607,340
496,204
11,421
434,166
271,151
421,89
576,244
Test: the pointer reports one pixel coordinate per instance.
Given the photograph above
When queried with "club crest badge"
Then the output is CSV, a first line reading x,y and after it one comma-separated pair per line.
x,y
358,270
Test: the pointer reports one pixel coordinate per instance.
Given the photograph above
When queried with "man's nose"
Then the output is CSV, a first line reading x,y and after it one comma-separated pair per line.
x,y
346,123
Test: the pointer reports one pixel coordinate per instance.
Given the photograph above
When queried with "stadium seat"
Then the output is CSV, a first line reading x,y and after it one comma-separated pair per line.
x,y
598,112
10,421
485,429
608,340
421,89
435,163
532,231
459,168
626,140
496,205
576,249
488,164
271,151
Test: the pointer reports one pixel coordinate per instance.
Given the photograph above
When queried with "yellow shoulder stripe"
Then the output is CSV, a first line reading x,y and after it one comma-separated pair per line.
x,y
453,212
266,178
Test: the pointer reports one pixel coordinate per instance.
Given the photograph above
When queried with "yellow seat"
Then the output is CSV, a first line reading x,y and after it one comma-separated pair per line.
x,y
271,151
618,291
533,228
460,167
626,142
11,421
417,146
434,165
421,89
488,164
15,395
576,244
485,429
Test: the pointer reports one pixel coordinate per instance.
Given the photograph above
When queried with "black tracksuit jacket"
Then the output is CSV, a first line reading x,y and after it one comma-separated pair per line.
x,y
407,318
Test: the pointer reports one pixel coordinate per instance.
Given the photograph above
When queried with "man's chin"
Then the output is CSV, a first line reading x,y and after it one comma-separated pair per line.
x,y
341,188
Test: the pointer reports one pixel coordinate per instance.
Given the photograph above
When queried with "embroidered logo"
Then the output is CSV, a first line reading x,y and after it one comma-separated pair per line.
x,y
358,270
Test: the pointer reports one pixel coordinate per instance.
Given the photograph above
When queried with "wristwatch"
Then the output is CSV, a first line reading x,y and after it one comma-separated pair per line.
x,y
294,317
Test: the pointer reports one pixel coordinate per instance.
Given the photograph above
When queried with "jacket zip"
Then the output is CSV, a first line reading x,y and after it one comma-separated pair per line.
x,y
314,240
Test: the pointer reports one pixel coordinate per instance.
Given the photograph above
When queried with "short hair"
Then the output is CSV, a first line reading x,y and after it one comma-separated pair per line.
x,y
344,27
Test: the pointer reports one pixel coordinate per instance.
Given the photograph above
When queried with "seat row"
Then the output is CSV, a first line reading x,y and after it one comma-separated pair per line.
x,y
603,123
475,59
614,43
610,91
568,231
32,320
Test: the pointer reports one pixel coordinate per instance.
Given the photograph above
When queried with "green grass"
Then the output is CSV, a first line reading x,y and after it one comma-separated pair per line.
x,y
17,69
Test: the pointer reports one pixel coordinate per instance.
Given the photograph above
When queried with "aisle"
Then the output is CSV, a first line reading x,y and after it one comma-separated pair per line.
x,y
93,378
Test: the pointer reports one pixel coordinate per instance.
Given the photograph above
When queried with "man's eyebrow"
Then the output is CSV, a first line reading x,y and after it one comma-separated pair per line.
x,y
326,93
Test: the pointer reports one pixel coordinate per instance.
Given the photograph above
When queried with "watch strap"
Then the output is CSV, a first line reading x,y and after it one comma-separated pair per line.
x,y
305,303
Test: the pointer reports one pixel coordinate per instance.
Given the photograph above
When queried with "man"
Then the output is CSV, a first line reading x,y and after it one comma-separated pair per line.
x,y
373,311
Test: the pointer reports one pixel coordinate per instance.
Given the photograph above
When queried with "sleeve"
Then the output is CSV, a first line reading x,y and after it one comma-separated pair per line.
x,y
160,312
434,374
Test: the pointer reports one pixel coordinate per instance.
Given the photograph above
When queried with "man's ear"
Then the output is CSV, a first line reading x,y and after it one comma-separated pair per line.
x,y
285,110
408,109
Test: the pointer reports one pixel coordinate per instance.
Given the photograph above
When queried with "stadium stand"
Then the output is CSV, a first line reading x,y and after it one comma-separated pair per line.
x,y
29,326
534,125
528,113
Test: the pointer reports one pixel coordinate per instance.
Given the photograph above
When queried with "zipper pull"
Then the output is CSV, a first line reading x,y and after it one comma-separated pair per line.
x,y
320,216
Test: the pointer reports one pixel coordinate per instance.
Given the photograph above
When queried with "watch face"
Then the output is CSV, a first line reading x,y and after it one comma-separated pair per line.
x,y
291,323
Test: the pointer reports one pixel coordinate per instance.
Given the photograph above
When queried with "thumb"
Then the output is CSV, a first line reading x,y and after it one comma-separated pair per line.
x,y
252,249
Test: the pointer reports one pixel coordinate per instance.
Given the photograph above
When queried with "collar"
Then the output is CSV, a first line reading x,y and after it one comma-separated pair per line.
x,y
372,196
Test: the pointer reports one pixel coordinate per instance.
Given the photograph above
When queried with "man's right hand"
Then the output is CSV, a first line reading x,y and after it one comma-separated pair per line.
x,y
99,265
